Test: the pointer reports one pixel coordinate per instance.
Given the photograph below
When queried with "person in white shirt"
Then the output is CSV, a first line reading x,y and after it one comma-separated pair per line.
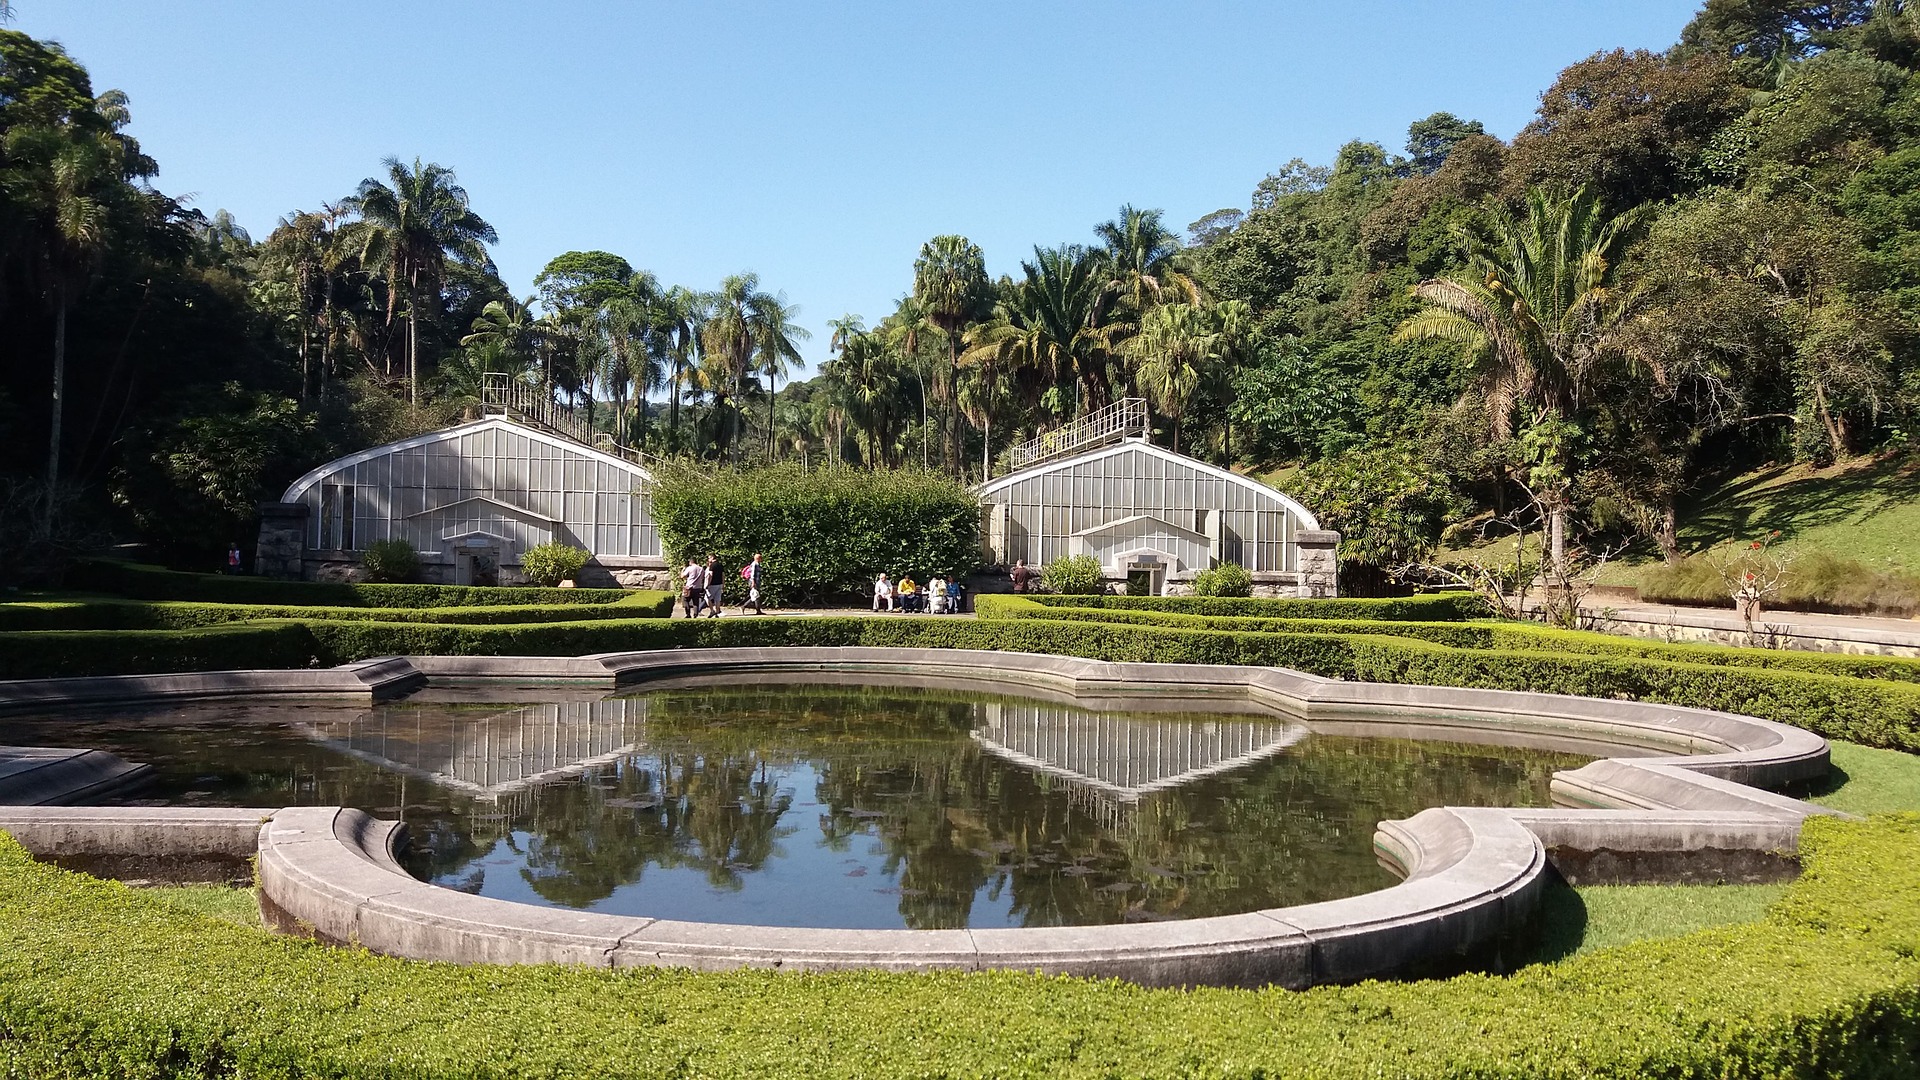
x,y
693,589
882,592
937,595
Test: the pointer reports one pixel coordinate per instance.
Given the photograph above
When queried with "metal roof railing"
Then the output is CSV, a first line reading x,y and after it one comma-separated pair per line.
x,y
1125,417
503,395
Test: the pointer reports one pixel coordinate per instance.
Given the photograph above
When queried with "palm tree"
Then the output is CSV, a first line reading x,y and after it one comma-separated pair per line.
x,y
904,330
70,181
726,340
1175,349
774,334
1139,256
1533,309
677,314
508,323
1059,303
297,248
418,221
950,282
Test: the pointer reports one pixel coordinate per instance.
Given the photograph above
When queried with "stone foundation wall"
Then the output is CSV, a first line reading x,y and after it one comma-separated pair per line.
x,y
283,540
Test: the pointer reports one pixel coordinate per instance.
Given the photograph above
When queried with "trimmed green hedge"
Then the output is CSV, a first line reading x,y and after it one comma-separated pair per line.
x,y
154,583
1505,636
52,654
98,980
185,614
1432,607
825,533
1868,711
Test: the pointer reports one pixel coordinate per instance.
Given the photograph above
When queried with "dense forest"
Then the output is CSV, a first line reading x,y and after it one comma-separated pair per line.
x,y
1689,263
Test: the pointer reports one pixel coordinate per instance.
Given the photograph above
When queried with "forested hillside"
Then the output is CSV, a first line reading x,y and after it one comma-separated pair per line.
x,y
1690,265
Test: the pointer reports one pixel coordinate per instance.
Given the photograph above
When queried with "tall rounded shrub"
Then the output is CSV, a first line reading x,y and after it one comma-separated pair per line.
x,y
1075,575
551,563
390,561
825,534
1227,579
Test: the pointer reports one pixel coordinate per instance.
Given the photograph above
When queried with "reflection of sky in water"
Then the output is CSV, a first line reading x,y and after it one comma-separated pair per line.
x,y
819,806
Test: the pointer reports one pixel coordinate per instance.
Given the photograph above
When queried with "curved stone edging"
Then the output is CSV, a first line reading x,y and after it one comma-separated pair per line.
x,y
1471,874
367,680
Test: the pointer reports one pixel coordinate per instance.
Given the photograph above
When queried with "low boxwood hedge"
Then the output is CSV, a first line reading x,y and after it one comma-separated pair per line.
x,y
1432,607
1503,635
154,583
98,980
51,654
1873,712
184,614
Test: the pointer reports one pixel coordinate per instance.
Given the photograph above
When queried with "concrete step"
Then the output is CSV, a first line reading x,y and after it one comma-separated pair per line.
x,y
64,776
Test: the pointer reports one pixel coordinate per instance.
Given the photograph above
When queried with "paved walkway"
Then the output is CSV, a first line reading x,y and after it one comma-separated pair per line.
x,y
679,612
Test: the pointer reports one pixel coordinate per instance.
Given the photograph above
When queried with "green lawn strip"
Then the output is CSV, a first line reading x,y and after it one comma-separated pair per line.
x,y
1581,919
1478,634
240,906
99,980
186,614
1871,781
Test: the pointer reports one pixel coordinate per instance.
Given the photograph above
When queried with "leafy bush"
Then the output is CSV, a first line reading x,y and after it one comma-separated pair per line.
x,y
390,562
825,533
552,563
102,980
1227,579
1075,575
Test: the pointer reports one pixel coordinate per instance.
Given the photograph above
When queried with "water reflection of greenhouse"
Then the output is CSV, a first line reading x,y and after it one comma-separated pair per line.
x,y
1113,760
486,757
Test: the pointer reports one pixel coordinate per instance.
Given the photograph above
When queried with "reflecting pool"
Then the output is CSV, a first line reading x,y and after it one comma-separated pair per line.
x,y
836,807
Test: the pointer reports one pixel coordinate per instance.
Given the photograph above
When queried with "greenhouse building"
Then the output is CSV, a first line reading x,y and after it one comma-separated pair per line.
x,y
469,499
1151,517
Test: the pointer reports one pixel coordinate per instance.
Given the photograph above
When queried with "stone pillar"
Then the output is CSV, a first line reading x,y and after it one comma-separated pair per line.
x,y
283,541
1210,527
1319,562
993,534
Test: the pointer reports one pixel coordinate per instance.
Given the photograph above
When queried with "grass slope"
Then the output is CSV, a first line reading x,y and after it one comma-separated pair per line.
x,y
1867,510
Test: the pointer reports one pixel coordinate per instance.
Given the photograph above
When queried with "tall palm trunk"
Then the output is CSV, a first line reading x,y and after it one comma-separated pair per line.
x,y
771,383
59,387
673,408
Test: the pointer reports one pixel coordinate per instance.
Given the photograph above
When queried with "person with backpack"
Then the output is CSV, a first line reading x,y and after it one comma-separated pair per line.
x,y
750,573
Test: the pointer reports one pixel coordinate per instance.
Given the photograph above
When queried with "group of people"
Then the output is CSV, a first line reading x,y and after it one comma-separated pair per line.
x,y
702,586
941,595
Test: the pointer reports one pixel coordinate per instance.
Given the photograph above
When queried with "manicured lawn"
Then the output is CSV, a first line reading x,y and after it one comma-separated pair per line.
x,y
223,902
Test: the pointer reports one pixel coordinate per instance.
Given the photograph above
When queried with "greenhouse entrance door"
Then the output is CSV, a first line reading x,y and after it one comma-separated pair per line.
x,y
1146,578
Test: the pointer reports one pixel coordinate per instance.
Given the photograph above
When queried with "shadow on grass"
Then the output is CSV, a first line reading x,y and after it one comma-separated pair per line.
x,y
1835,779
1745,510
1559,929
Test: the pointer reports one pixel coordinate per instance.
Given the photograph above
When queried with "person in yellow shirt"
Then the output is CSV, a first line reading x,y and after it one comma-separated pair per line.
x,y
909,595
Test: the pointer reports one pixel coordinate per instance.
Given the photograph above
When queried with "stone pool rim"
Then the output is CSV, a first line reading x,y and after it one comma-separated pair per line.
x,y
1471,875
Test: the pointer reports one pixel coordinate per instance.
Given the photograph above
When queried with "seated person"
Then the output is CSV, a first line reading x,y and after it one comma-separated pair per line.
x,y
909,594
882,593
937,595
956,596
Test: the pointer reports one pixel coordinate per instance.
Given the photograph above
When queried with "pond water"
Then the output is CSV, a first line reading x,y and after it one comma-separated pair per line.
x,y
831,807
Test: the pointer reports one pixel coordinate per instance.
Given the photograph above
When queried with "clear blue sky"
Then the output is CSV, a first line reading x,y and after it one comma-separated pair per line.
x,y
817,144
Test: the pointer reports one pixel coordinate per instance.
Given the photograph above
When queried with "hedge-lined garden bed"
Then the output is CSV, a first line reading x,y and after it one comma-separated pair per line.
x,y
155,583
97,980
1485,634
1432,607
1874,712
185,615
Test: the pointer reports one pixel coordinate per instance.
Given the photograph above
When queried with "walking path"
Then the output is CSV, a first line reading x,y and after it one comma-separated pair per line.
x,y
1774,629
